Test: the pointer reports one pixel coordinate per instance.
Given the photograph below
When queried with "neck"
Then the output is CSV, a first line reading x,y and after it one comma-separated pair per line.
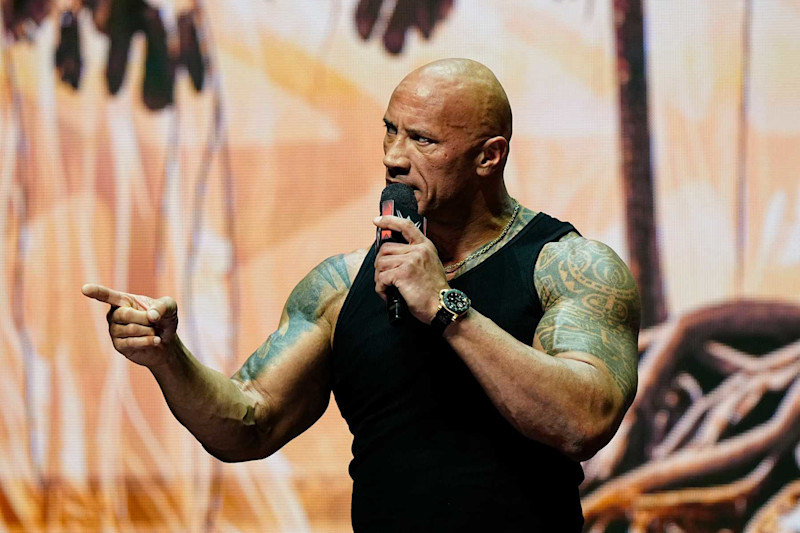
x,y
470,229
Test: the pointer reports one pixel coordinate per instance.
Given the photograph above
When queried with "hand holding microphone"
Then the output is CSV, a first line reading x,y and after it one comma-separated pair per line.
x,y
408,272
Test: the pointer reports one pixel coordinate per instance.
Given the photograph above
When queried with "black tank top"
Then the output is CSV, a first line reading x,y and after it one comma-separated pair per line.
x,y
430,450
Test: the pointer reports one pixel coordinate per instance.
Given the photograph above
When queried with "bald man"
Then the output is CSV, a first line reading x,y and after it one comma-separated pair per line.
x,y
519,361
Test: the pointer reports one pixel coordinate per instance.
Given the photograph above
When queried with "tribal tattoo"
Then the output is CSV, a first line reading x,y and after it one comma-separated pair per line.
x,y
303,310
591,305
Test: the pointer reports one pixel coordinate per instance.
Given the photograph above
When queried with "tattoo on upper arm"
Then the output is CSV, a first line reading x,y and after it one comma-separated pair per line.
x,y
591,305
302,312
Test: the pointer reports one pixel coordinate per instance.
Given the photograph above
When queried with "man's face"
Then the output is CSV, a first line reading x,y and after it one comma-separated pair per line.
x,y
429,143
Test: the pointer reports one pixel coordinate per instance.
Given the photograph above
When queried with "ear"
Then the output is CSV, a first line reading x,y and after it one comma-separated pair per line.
x,y
492,156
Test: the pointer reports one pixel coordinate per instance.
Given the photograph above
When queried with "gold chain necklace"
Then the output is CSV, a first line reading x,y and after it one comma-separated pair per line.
x,y
449,269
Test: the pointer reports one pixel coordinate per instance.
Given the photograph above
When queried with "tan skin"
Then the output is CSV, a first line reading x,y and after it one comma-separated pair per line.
x,y
447,138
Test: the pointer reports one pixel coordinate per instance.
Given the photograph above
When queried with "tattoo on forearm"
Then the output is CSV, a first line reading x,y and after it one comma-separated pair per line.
x,y
304,308
591,305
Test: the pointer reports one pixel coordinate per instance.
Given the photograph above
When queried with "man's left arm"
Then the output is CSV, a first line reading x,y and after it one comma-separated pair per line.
x,y
572,387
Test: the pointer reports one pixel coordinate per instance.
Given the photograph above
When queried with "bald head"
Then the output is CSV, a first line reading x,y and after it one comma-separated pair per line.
x,y
469,86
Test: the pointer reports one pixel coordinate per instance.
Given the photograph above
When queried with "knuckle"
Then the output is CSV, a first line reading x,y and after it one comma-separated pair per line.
x,y
121,315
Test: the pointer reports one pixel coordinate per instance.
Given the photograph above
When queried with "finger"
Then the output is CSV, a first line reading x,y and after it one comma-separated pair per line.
x,y
395,35
136,343
425,17
444,9
381,284
386,279
366,15
105,295
383,264
164,308
129,315
393,248
130,330
410,231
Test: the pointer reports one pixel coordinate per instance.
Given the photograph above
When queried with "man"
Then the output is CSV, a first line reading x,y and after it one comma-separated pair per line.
x,y
467,417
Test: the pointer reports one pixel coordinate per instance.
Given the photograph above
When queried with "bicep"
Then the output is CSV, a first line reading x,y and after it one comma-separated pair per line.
x,y
293,360
289,374
591,308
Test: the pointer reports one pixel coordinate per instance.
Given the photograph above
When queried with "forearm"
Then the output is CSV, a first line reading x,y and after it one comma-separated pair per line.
x,y
565,402
210,405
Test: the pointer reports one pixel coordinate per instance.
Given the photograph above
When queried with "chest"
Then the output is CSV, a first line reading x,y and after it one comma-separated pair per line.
x,y
379,368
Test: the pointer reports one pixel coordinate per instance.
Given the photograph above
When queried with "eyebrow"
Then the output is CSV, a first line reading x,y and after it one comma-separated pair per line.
x,y
412,131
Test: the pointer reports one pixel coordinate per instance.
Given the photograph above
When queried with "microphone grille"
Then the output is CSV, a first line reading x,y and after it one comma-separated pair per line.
x,y
402,195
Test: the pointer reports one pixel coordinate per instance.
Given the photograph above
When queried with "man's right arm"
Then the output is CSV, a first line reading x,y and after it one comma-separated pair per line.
x,y
281,390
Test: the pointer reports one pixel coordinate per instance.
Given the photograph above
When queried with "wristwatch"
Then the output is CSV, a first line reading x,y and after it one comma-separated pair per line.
x,y
452,304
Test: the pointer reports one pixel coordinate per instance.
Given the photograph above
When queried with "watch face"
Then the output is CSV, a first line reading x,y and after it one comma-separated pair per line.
x,y
456,301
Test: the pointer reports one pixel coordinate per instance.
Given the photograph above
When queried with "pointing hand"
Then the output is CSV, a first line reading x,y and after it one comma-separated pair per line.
x,y
140,327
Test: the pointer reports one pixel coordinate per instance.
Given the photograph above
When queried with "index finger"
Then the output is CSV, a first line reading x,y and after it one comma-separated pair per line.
x,y
105,295
410,231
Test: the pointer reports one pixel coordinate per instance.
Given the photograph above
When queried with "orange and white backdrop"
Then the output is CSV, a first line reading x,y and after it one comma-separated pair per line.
x,y
237,144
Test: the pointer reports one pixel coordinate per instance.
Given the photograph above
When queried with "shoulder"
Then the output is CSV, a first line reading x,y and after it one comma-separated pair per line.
x,y
591,305
339,271
327,281
320,294
576,267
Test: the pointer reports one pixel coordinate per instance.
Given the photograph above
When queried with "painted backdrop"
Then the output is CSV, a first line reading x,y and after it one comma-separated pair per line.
x,y
217,151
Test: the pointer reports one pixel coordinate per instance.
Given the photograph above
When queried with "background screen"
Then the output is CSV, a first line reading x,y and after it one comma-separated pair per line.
x,y
217,151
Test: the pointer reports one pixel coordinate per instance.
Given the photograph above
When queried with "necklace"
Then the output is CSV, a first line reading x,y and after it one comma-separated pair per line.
x,y
449,269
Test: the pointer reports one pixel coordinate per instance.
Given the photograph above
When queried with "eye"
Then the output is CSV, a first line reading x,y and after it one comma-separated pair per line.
x,y
419,139
391,129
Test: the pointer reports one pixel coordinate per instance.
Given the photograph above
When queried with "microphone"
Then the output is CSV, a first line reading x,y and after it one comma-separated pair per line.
x,y
398,200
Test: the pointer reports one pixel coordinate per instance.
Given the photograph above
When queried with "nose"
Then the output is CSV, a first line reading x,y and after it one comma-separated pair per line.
x,y
394,156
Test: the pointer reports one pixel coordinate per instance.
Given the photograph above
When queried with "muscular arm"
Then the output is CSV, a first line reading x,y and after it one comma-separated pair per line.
x,y
572,387
289,373
283,387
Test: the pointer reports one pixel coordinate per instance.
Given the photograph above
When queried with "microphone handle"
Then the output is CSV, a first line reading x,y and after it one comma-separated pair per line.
x,y
395,306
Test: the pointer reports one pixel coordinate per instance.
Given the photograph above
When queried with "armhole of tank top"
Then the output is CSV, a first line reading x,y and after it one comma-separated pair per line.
x,y
557,232
352,291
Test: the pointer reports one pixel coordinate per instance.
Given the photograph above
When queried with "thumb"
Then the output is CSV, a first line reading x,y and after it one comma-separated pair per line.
x,y
165,308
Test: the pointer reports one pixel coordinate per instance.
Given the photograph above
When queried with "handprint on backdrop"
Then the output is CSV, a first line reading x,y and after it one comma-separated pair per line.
x,y
406,15
170,44
178,43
